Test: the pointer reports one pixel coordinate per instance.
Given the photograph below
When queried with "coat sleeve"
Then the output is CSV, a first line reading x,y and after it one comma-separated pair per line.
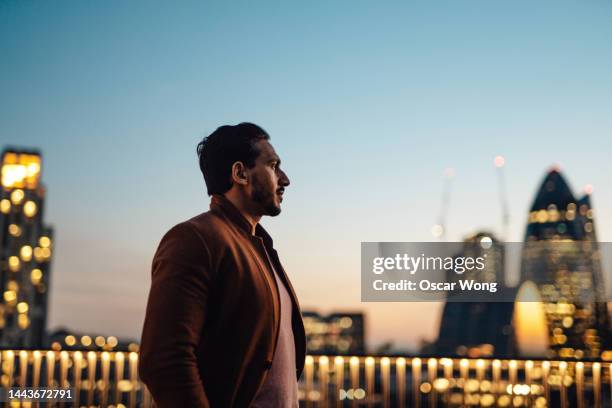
x,y
176,310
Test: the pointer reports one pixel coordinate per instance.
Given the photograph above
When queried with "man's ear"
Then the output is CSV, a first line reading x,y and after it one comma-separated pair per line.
x,y
239,174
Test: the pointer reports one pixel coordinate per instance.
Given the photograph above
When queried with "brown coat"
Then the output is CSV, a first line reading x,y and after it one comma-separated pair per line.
x,y
212,316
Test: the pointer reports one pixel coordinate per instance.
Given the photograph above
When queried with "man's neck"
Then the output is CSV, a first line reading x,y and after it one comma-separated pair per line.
x,y
239,204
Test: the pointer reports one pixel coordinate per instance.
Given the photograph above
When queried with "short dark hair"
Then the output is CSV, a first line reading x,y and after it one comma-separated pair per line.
x,y
224,147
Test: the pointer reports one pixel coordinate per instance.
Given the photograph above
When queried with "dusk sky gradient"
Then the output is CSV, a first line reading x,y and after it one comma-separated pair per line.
x,y
366,104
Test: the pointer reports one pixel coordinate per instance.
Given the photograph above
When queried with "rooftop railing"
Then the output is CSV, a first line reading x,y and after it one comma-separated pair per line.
x,y
104,379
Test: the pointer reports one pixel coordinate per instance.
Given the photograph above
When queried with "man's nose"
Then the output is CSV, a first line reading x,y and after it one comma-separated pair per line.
x,y
284,180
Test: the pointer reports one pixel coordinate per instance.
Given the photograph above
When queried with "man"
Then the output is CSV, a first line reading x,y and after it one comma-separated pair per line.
x,y
223,326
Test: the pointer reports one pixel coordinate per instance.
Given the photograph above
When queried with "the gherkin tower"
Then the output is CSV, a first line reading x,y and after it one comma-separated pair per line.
x,y
562,256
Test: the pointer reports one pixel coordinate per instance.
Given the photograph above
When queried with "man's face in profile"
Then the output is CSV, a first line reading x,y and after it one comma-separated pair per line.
x,y
268,181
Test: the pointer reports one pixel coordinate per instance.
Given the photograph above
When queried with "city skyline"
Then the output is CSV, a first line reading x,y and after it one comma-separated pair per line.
x,y
389,342
367,110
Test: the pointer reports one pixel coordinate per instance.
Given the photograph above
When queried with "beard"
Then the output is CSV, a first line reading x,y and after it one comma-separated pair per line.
x,y
265,198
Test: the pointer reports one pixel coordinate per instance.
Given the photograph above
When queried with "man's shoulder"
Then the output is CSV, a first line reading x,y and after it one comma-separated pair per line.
x,y
207,227
207,223
204,232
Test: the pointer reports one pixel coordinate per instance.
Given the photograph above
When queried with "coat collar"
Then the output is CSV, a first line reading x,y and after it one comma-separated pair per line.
x,y
219,203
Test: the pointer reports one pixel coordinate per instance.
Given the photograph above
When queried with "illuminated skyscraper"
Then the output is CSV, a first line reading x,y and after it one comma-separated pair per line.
x,y
336,333
477,329
25,251
483,244
562,257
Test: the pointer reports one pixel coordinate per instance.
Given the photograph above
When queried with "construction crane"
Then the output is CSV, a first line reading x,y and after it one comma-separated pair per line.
x,y
499,163
439,229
